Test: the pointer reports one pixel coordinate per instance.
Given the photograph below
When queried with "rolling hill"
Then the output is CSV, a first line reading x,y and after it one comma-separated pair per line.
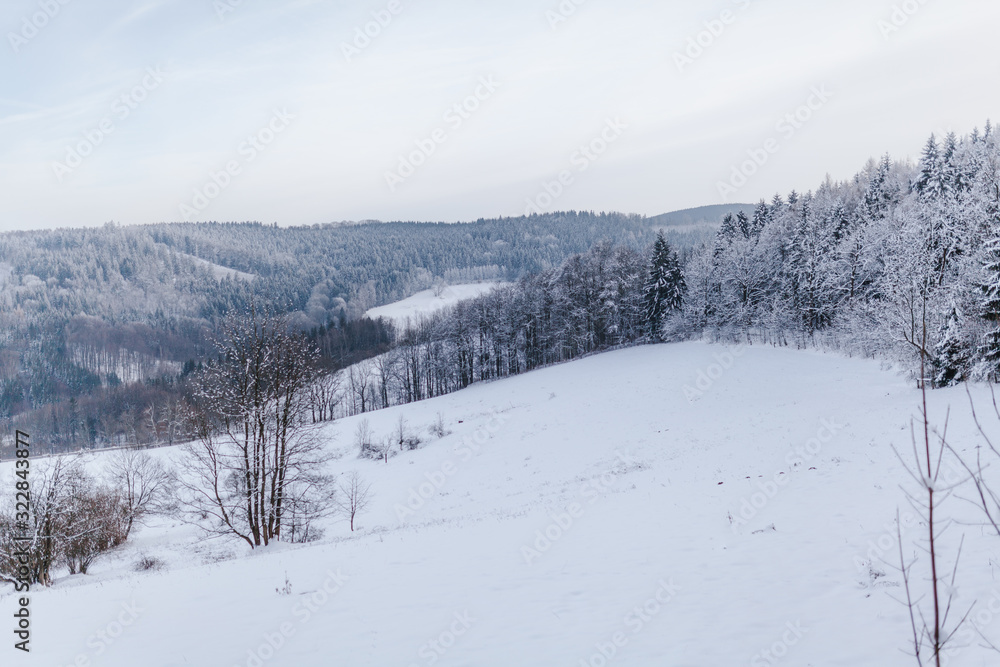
x,y
641,504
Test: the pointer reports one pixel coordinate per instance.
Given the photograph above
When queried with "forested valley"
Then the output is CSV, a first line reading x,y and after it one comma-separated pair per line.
x,y
99,328
103,327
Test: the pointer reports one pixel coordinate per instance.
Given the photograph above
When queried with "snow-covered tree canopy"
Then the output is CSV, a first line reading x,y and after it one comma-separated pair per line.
x,y
901,260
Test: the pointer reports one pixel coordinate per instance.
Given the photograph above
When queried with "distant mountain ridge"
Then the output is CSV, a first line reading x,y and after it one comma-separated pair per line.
x,y
700,215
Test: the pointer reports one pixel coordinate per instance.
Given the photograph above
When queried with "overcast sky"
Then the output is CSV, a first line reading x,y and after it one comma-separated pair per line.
x,y
144,111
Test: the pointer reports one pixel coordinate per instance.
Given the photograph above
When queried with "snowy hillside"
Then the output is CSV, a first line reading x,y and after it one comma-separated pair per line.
x,y
668,505
427,302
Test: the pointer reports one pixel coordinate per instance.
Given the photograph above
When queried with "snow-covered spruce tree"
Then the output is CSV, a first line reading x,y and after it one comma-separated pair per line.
x,y
950,363
665,287
990,349
931,182
807,268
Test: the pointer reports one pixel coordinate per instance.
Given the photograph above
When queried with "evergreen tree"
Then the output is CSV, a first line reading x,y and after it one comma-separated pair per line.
x,y
952,176
951,358
761,216
665,287
728,230
878,197
743,224
990,350
931,182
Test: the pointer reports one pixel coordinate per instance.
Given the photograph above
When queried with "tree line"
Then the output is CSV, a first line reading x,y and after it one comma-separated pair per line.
x,y
604,298
901,262
863,265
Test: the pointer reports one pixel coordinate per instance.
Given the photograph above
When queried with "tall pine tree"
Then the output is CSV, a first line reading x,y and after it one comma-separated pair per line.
x,y
990,350
931,182
665,287
950,362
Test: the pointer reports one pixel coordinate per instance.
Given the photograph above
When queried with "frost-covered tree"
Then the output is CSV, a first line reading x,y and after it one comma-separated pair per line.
x,y
990,349
867,264
665,287
931,182
950,361
256,465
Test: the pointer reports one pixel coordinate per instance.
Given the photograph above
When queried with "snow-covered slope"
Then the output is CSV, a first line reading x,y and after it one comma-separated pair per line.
x,y
220,271
428,301
589,509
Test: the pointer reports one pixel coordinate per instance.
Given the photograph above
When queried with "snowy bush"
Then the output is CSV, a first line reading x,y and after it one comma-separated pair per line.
x,y
406,440
364,439
147,564
438,429
72,520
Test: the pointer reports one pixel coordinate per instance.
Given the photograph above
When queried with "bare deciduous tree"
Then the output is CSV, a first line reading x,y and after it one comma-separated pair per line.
x,y
256,462
385,371
71,519
354,496
325,396
361,387
44,526
95,521
143,483
931,615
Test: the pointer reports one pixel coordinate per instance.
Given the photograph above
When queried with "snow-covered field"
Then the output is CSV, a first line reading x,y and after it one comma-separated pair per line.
x,y
594,508
220,271
427,302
